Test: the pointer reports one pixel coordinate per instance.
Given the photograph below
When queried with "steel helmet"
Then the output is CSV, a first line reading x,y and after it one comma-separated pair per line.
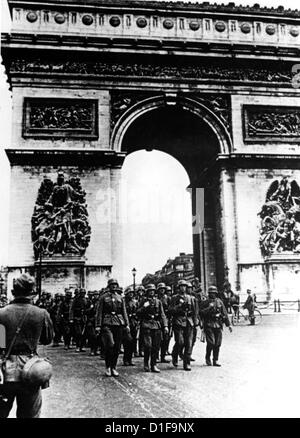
x,y
168,288
112,281
161,286
150,287
37,371
212,290
182,283
128,290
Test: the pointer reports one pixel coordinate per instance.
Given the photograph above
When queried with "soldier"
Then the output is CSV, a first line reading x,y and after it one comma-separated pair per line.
x,y
90,323
130,341
56,319
153,319
139,295
184,310
111,317
25,325
78,319
190,291
64,312
165,300
169,317
214,316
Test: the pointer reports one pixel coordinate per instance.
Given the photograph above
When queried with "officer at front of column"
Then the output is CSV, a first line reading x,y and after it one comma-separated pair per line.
x,y
214,316
152,316
184,310
111,319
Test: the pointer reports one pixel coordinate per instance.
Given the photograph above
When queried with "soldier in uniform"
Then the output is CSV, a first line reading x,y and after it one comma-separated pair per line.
x,y
35,326
90,313
111,318
130,341
139,295
184,310
56,319
165,300
78,319
64,313
153,320
214,316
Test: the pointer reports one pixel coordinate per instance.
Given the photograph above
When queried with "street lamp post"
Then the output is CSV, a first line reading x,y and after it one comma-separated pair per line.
x,y
134,274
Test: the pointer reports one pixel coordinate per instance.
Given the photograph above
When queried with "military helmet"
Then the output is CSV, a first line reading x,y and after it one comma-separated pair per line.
x,y
212,290
141,287
168,288
189,284
37,371
112,281
150,287
129,290
161,286
182,283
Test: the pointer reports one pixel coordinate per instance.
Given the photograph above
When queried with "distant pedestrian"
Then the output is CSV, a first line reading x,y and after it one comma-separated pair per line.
x,y
250,305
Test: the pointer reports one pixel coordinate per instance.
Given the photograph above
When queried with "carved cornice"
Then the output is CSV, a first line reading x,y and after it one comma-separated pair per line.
x,y
196,72
231,7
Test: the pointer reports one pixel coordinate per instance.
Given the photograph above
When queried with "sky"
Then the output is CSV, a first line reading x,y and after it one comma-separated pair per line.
x,y
158,223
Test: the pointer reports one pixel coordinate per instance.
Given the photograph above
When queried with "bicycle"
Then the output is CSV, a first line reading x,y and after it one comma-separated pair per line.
x,y
241,318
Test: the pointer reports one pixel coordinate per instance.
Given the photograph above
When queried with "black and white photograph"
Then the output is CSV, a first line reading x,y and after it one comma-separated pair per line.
x,y
150,211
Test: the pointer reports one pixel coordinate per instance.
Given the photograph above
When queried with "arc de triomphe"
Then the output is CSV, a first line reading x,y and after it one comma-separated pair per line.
x,y
214,86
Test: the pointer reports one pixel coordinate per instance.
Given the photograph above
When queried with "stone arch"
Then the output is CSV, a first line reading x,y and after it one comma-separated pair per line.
x,y
186,103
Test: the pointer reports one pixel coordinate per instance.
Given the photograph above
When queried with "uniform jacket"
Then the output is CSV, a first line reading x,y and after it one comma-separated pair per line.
x,y
131,308
184,309
77,309
36,328
153,315
64,309
111,310
214,316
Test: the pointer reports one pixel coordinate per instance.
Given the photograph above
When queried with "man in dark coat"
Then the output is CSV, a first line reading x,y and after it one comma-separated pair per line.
x,y
130,340
111,319
78,319
36,326
214,316
184,310
153,320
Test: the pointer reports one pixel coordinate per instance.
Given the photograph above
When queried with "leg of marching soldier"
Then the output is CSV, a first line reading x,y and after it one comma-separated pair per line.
x,y
188,346
108,344
156,341
117,335
210,339
147,342
216,349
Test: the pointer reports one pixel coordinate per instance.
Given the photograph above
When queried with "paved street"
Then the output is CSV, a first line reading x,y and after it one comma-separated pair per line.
x,y
258,378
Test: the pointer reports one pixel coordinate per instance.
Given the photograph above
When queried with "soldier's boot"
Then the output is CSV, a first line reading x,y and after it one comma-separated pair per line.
x,y
146,362
216,356
114,372
108,372
208,353
187,367
154,369
174,360
163,355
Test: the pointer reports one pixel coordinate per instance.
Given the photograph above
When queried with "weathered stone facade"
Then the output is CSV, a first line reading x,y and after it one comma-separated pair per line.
x,y
215,86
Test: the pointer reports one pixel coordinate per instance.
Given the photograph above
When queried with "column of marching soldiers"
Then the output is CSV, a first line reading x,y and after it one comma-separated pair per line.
x,y
138,323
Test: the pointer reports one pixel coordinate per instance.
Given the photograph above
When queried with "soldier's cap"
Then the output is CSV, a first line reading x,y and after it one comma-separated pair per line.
x,y
150,287
112,281
161,286
23,285
212,290
182,283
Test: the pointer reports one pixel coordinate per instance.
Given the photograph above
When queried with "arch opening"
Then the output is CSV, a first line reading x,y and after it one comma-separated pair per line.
x,y
189,139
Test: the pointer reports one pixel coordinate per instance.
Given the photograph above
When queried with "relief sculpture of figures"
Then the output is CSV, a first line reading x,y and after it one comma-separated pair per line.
x,y
60,220
280,218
